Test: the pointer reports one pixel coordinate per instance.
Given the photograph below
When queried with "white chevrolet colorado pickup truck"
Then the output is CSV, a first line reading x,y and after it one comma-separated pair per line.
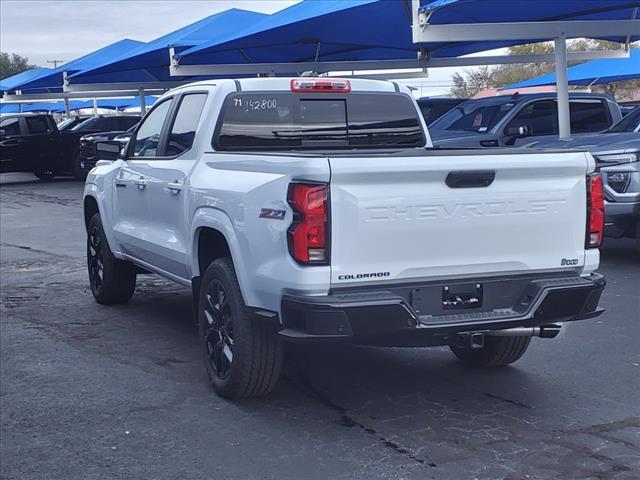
x,y
313,209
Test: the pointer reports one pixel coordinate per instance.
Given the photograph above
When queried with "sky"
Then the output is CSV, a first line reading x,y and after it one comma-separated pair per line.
x,y
45,30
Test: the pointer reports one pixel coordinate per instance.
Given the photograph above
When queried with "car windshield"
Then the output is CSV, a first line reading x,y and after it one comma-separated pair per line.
x,y
87,124
630,123
474,115
66,123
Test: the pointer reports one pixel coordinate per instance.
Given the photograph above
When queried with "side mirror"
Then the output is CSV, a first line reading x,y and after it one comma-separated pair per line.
x,y
518,132
3,133
108,150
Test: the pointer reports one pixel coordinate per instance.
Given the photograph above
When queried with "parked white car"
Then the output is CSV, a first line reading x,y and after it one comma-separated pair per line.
x,y
314,209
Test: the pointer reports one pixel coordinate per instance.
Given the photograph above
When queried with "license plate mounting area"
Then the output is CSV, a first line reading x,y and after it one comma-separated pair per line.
x,y
462,296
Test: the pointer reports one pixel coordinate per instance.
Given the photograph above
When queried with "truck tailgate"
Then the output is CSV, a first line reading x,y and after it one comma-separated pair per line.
x,y
395,218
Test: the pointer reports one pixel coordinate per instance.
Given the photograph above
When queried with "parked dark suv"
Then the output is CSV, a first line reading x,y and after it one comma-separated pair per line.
x,y
29,143
506,120
97,124
88,154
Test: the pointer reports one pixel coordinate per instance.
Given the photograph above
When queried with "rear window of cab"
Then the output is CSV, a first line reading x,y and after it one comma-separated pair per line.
x,y
291,121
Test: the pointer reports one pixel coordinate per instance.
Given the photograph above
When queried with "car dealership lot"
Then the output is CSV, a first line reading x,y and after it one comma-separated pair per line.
x,y
120,392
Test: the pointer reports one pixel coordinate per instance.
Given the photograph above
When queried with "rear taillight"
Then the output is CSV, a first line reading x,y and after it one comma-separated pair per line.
x,y
314,85
595,211
309,232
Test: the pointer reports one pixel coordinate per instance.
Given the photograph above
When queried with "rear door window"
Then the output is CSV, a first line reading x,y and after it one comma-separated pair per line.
x,y
38,125
183,130
588,115
108,124
11,126
254,121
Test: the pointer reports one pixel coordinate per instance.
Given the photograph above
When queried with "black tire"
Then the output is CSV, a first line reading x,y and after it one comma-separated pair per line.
x,y
76,169
45,175
242,354
112,281
497,352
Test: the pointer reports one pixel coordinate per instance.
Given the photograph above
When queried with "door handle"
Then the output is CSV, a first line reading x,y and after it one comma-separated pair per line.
x,y
174,187
470,179
141,183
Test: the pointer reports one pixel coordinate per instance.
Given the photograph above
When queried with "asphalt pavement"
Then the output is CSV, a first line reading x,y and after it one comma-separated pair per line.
x,y
95,392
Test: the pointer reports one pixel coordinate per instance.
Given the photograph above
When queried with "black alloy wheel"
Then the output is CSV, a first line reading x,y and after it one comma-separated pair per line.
x,y
219,329
241,351
96,260
112,280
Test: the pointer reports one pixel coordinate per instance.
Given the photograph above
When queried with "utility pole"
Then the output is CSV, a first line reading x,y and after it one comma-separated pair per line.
x,y
55,62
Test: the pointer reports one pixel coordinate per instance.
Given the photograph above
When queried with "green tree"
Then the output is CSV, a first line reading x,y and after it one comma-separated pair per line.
x,y
12,63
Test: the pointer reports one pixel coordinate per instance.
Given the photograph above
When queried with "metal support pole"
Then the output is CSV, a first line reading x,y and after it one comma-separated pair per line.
x,y
143,106
66,106
562,87
95,106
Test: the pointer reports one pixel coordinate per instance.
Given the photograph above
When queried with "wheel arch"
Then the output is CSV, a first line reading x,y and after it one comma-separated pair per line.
x,y
214,237
90,207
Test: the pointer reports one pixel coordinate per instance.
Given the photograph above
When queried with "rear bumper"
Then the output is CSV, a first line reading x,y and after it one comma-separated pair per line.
x,y
414,314
621,218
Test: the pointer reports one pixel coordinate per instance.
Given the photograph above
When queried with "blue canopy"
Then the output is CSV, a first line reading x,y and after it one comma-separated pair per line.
x,y
51,80
9,108
351,30
330,30
150,62
9,83
594,72
58,106
32,107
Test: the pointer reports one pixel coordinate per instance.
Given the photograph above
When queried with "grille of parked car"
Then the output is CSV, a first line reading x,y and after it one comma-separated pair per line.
x,y
87,149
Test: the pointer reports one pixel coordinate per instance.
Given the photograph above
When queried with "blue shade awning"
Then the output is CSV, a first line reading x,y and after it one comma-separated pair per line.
x,y
594,72
32,107
58,106
9,83
51,80
353,30
150,62
9,108
331,29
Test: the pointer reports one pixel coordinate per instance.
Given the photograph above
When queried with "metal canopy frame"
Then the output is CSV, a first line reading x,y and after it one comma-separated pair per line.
x,y
67,96
35,97
423,32
126,86
323,67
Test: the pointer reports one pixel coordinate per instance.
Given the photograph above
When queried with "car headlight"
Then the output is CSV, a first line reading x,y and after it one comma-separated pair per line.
x,y
619,181
617,158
